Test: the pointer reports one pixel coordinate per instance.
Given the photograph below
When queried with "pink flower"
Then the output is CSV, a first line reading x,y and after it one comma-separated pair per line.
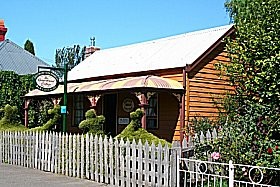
x,y
215,155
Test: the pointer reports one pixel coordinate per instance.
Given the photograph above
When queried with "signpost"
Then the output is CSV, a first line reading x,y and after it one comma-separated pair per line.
x,y
47,81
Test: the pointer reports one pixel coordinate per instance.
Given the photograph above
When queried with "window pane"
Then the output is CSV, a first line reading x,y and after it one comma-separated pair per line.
x,y
151,123
78,109
152,113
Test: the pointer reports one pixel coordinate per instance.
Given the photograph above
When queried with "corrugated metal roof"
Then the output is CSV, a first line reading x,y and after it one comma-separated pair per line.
x,y
14,58
152,82
170,52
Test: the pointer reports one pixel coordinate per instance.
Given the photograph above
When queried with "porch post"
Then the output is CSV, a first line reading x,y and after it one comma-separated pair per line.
x,y
26,104
181,99
181,111
143,105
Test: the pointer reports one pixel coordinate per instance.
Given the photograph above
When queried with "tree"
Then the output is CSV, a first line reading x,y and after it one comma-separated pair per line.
x,y
28,46
71,55
255,52
251,126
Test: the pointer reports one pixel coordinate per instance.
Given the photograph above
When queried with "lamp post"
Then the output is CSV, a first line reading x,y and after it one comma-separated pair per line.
x,y
49,82
65,97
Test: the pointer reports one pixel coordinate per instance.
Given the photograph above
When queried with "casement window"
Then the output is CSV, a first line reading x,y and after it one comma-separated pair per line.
x,y
78,112
152,112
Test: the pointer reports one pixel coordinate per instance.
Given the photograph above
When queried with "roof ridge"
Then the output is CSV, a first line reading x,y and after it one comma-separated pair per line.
x,y
191,33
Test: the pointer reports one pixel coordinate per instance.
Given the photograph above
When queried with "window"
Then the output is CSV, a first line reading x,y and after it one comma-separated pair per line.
x,y
78,102
152,113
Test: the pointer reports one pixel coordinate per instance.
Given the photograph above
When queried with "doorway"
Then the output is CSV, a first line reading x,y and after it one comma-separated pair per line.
x,y
110,112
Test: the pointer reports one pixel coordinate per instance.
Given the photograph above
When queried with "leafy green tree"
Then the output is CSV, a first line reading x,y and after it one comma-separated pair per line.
x,y
255,53
251,126
28,46
71,55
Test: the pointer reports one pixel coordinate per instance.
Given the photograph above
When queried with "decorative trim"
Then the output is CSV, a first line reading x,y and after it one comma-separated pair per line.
x,y
93,99
149,95
56,101
178,96
139,96
26,103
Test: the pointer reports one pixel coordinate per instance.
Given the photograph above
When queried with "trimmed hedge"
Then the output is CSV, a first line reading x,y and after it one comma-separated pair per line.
x,y
9,119
53,123
93,123
135,131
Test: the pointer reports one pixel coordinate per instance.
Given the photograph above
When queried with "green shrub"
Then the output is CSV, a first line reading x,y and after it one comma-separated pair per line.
x,y
9,119
134,131
93,123
52,124
12,88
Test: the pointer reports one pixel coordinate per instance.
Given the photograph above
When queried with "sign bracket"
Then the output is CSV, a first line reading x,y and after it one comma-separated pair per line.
x,y
65,70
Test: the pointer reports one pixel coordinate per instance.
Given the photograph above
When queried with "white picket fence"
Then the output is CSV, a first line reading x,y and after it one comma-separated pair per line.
x,y
189,141
118,163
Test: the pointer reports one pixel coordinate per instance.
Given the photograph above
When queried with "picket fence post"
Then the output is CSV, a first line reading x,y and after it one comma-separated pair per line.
x,y
87,156
1,141
117,163
177,169
78,156
111,161
91,157
231,174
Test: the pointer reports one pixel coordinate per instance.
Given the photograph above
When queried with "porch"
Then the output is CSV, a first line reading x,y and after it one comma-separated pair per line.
x,y
159,98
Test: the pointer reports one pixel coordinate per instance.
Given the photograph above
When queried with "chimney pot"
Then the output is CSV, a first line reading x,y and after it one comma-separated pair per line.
x,y
3,30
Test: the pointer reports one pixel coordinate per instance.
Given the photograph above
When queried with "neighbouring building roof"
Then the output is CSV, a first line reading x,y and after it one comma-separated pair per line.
x,y
15,58
170,52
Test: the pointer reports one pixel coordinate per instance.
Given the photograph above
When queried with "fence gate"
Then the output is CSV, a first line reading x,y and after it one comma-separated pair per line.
x,y
192,172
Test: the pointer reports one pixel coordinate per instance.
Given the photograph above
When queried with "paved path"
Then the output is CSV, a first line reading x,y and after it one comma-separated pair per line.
x,y
18,176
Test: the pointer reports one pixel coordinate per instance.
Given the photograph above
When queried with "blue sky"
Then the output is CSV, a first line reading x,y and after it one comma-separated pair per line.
x,y
53,24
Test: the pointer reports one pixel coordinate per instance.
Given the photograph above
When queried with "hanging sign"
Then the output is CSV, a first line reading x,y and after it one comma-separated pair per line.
x,y
46,81
128,105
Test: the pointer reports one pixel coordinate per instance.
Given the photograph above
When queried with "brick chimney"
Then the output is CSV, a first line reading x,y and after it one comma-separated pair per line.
x,y
92,48
3,30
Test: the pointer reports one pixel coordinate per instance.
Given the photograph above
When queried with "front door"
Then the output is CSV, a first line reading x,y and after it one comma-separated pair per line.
x,y
109,112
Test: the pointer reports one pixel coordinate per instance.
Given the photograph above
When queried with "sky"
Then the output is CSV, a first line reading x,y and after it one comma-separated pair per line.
x,y
54,24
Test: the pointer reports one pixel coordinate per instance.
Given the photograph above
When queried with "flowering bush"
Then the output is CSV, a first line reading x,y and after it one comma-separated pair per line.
x,y
250,138
215,155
